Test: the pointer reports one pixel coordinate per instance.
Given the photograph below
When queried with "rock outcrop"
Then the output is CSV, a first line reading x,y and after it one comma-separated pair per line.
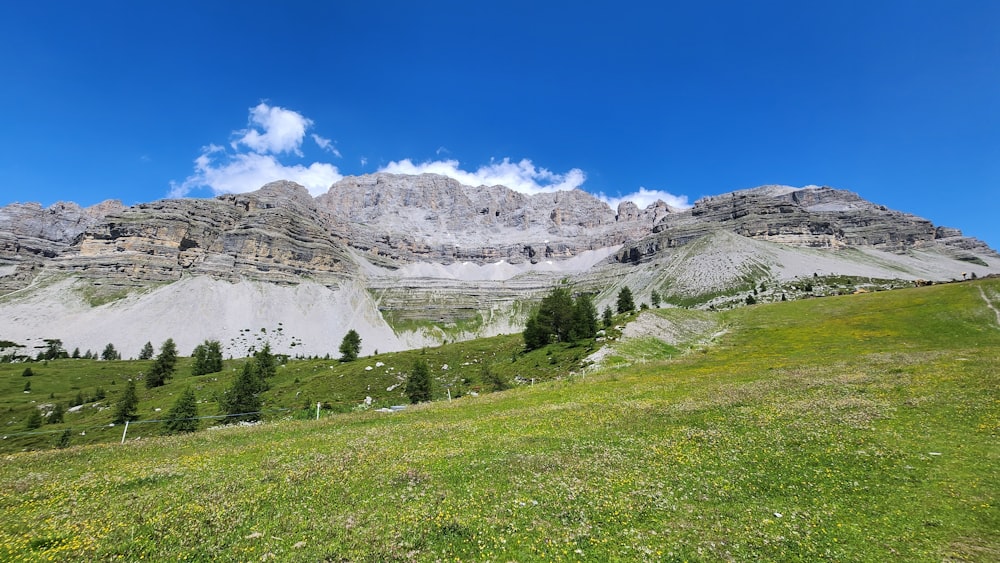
x,y
815,217
421,259
401,219
31,235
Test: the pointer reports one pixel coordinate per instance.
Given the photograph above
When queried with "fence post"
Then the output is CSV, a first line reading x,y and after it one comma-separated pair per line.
x,y
125,431
317,410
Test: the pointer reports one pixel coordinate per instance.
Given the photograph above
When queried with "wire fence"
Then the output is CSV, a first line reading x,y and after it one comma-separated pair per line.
x,y
79,430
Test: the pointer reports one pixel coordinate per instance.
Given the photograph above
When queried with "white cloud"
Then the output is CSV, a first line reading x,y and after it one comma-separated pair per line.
x,y
520,176
326,144
645,197
274,131
283,130
244,172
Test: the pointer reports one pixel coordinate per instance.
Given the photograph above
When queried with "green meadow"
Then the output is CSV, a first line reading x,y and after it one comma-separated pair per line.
x,y
848,428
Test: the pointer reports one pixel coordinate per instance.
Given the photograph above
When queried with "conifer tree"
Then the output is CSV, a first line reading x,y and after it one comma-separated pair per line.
x,y
163,366
243,397
626,304
183,415
350,346
534,336
34,419
56,416
147,351
267,363
127,407
418,384
584,318
110,353
207,358
608,317
655,299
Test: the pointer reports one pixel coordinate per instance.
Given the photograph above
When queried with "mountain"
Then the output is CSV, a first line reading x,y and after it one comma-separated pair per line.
x,y
411,261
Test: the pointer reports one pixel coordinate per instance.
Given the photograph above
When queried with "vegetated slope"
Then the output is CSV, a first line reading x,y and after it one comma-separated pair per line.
x,y
857,427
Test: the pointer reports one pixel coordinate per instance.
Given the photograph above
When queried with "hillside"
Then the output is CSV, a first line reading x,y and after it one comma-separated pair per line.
x,y
855,427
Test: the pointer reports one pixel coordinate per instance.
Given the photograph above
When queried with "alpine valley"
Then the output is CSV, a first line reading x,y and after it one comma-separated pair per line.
x,y
412,261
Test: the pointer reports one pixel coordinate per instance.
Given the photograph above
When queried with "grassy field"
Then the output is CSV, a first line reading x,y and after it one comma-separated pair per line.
x,y
851,428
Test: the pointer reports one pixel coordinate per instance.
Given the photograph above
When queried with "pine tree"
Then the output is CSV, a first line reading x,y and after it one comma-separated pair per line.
x,y
625,302
655,299
243,397
534,336
56,416
213,356
555,315
584,318
350,346
127,407
199,358
163,366
608,317
34,419
110,353
53,350
418,384
267,363
207,358
562,318
183,415
147,351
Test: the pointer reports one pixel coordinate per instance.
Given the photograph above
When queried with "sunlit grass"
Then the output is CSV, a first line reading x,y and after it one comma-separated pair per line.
x,y
848,428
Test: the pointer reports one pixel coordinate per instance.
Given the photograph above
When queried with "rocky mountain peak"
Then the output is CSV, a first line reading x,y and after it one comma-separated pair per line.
x,y
382,249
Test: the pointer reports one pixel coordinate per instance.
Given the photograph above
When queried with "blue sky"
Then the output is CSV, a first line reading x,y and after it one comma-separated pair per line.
x,y
896,100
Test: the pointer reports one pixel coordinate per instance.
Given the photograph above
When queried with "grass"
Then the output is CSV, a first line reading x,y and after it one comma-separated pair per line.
x,y
859,428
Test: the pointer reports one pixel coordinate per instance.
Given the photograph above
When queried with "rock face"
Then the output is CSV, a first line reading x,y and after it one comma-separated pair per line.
x,y
424,258
809,217
275,234
31,235
400,219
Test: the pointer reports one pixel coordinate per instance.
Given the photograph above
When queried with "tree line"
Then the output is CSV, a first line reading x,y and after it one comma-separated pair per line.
x,y
563,317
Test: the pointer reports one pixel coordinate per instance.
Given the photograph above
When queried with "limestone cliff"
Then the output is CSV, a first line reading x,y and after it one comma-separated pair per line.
x,y
421,259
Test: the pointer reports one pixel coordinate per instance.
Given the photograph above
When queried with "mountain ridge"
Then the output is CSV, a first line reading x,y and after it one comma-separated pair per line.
x,y
425,259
